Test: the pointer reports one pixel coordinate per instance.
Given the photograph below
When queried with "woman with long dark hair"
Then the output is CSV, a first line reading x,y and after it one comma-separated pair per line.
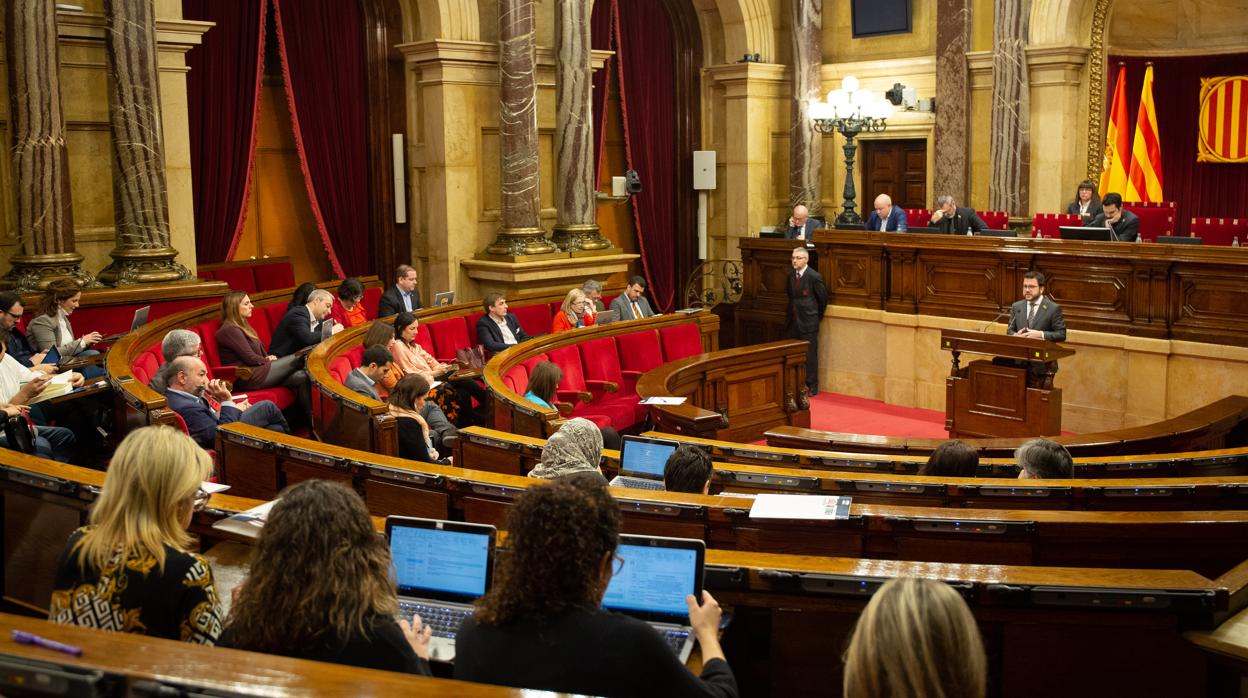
x,y
542,625
410,357
321,588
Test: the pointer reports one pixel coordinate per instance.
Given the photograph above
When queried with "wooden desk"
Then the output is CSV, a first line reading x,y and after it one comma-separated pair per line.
x,y
142,658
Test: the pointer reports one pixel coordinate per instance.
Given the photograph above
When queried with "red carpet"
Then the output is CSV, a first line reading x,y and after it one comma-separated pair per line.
x,y
832,412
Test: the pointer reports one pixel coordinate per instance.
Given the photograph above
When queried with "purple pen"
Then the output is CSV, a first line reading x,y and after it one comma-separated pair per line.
x,y
26,638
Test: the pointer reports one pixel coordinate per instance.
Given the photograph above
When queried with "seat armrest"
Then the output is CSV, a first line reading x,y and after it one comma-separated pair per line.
x,y
574,395
635,375
230,374
605,386
564,408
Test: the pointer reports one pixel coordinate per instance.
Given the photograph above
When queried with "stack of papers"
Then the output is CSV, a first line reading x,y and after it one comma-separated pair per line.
x,y
59,385
246,523
800,506
664,401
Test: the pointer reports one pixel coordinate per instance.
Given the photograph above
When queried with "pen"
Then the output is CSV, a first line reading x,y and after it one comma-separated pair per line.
x,y
26,638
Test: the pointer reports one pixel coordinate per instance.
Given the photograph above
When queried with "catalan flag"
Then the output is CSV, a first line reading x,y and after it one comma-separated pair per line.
x,y
1117,157
1223,119
1144,182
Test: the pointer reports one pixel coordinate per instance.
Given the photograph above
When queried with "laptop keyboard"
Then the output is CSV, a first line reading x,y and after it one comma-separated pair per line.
x,y
445,621
675,639
636,483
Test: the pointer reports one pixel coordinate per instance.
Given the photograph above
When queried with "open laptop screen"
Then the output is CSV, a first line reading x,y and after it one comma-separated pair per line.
x,y
640,455
440,559
656,575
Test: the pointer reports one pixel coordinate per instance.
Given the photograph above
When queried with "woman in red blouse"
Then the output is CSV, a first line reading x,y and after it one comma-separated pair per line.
x,y
348,309
572,313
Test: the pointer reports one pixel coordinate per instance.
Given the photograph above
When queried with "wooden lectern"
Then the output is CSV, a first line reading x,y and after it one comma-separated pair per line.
x,y
1012,395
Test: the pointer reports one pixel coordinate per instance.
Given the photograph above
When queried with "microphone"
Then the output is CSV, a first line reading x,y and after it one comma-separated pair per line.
x,y
993,321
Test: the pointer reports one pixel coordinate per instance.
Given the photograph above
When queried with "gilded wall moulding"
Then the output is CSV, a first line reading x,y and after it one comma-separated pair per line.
x,y
1096,90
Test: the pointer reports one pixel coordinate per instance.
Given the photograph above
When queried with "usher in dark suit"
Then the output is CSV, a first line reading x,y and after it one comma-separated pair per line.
x,y
963,219
808,299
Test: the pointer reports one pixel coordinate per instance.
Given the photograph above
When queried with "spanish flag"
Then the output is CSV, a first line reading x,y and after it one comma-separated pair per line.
x,y
1144,182
1117,158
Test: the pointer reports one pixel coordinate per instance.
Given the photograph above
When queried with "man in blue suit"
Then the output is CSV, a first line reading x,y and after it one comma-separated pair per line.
x,y
188,383
887,218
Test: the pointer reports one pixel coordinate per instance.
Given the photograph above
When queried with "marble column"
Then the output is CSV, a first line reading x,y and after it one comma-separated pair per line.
x,y
576,229
45,219
953,99
521,235
140,196
1011,110
805,144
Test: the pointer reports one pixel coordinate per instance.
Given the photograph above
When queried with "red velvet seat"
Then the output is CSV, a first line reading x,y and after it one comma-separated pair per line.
x,y
680,341
533,361
574,385
1220,231
449,336
601,360
238,278
1049,224
639,351
274,312
918,217
273,276
145,365
1156,218
517,379
260,323
534,319
372,298
339,368
425,339
996,220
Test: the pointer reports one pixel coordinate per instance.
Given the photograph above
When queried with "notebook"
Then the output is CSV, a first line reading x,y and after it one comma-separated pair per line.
x,y
656,575
642,460
442,567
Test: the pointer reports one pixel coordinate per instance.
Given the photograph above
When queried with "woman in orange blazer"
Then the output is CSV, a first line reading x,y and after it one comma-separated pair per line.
x,y
572,313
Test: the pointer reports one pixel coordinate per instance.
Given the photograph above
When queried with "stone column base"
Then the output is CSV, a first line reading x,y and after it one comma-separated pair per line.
x,y
551,275
35,272
136,266
581,240
521,244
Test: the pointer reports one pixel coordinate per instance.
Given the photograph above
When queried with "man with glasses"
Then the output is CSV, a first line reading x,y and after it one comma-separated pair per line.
x,y
11,310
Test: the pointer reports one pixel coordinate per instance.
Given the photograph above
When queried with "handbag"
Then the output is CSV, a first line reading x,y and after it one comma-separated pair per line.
x,y
20,433
471,357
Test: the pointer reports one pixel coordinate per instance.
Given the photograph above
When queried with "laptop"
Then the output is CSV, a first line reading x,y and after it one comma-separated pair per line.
x,y
606,317
1179,240
140,319
656,575
642,460
442,567
1078,232
443,298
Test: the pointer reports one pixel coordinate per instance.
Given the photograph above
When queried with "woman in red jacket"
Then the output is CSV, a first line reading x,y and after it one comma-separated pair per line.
x,y
572,313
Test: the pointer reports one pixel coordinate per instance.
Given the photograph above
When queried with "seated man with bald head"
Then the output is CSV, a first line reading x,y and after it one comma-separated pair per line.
x,y
188,391
801,225
887,218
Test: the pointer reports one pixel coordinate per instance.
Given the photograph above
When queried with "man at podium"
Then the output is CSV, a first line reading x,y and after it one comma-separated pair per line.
x,y
1035,316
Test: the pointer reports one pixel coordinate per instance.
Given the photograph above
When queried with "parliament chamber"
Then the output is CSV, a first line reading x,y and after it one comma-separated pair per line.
x,y
706,218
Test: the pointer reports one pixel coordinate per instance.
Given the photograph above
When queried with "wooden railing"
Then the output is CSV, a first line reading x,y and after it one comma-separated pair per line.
x,y
732,394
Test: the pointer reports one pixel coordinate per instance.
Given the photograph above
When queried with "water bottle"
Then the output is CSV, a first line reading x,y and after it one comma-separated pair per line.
x,y
1235,242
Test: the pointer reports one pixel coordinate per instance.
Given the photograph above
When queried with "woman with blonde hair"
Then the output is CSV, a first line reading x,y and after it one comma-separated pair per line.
x,y
916,638
132,568
321,588
239,345
573,313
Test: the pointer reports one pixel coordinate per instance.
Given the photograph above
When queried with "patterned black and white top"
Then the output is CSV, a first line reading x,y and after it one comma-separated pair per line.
x,y
134,596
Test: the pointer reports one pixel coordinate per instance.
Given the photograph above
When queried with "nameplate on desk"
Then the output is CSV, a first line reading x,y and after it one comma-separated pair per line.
x,y
804,507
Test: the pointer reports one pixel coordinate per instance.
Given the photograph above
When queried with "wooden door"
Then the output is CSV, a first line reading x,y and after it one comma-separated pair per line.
x,y
897,168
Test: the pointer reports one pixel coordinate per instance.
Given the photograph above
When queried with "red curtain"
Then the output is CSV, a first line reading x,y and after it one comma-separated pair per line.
x,y
322,49
1199,189
602,30
223,89
645,65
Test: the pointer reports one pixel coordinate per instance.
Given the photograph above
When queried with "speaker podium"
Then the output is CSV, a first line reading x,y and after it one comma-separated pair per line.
x,y
1011,395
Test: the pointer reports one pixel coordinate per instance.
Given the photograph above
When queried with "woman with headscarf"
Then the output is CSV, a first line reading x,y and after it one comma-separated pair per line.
x,y
575,448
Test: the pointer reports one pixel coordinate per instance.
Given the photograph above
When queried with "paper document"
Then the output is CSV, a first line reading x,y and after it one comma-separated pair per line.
x,y
799,506
213,487
664,401
246,523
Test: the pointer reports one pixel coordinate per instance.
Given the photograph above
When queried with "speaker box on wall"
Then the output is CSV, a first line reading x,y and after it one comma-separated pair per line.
x,y
877,17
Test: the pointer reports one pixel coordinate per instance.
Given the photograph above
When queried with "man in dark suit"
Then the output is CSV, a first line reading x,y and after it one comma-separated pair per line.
x,y
1036,316
951,219
808,299
402,296
188,384
886,217
632,304
498,329
11,310
801,225
302,326
1126,225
